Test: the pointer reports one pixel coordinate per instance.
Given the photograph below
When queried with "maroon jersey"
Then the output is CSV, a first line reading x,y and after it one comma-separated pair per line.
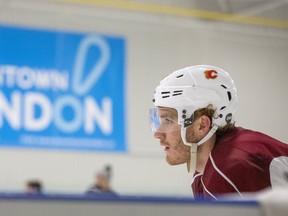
x,y
242,161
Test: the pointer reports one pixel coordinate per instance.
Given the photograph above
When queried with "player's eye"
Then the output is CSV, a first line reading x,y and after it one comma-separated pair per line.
x,y
167,121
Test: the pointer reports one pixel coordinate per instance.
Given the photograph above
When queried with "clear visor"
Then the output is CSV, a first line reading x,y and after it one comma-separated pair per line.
x,y
163,120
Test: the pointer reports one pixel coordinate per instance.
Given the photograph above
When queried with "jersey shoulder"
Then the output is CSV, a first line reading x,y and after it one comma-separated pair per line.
x,y
252,142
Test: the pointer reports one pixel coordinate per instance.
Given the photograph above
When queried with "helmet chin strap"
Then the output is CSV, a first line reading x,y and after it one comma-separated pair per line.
x,y
193,146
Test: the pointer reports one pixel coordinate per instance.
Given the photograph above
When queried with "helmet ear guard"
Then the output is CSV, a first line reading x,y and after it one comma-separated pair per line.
x,y
225,115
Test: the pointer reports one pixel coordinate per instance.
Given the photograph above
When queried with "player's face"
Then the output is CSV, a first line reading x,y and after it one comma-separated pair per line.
x,y
169,136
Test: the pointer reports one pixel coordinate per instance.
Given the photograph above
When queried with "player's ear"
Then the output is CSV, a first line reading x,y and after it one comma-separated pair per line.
x,y
204,124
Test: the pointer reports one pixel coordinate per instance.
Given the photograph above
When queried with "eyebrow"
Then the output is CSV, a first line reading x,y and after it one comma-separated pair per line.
x,y
166,114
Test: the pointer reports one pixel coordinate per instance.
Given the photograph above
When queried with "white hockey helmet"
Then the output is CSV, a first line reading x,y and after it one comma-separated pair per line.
x,y
195,87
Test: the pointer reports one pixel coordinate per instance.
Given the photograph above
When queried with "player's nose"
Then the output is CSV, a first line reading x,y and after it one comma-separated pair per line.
x,y
159,135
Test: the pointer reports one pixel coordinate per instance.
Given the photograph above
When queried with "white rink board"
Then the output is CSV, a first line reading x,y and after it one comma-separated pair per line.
x,y
122,206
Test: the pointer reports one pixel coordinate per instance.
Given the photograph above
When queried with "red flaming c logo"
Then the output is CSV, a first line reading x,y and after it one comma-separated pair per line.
x,y
211,74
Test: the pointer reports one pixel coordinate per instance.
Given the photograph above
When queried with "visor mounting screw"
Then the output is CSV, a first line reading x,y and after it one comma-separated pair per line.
x,y
183,116
220,115
183,111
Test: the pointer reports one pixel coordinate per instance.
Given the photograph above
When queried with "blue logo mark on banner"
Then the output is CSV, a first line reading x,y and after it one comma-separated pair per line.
x,y
61,90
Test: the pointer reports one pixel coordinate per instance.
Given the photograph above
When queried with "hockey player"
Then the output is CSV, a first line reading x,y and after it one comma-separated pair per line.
x,y
193,119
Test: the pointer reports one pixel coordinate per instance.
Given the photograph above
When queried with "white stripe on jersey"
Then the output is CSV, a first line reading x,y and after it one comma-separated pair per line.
x,y
224,176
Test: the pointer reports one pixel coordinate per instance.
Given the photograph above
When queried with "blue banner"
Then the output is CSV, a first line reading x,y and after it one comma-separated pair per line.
x,y
62,90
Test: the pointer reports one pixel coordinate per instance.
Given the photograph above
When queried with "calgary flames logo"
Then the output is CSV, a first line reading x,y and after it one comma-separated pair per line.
x,y
211,74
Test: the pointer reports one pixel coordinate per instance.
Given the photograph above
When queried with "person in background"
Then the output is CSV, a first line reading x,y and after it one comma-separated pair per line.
x,y
193,119
102,183
34,187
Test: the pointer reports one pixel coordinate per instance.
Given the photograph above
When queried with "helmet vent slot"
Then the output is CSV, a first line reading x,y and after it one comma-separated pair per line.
x,y
178,92
181,75
222,107
165,94
229,95
224,86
